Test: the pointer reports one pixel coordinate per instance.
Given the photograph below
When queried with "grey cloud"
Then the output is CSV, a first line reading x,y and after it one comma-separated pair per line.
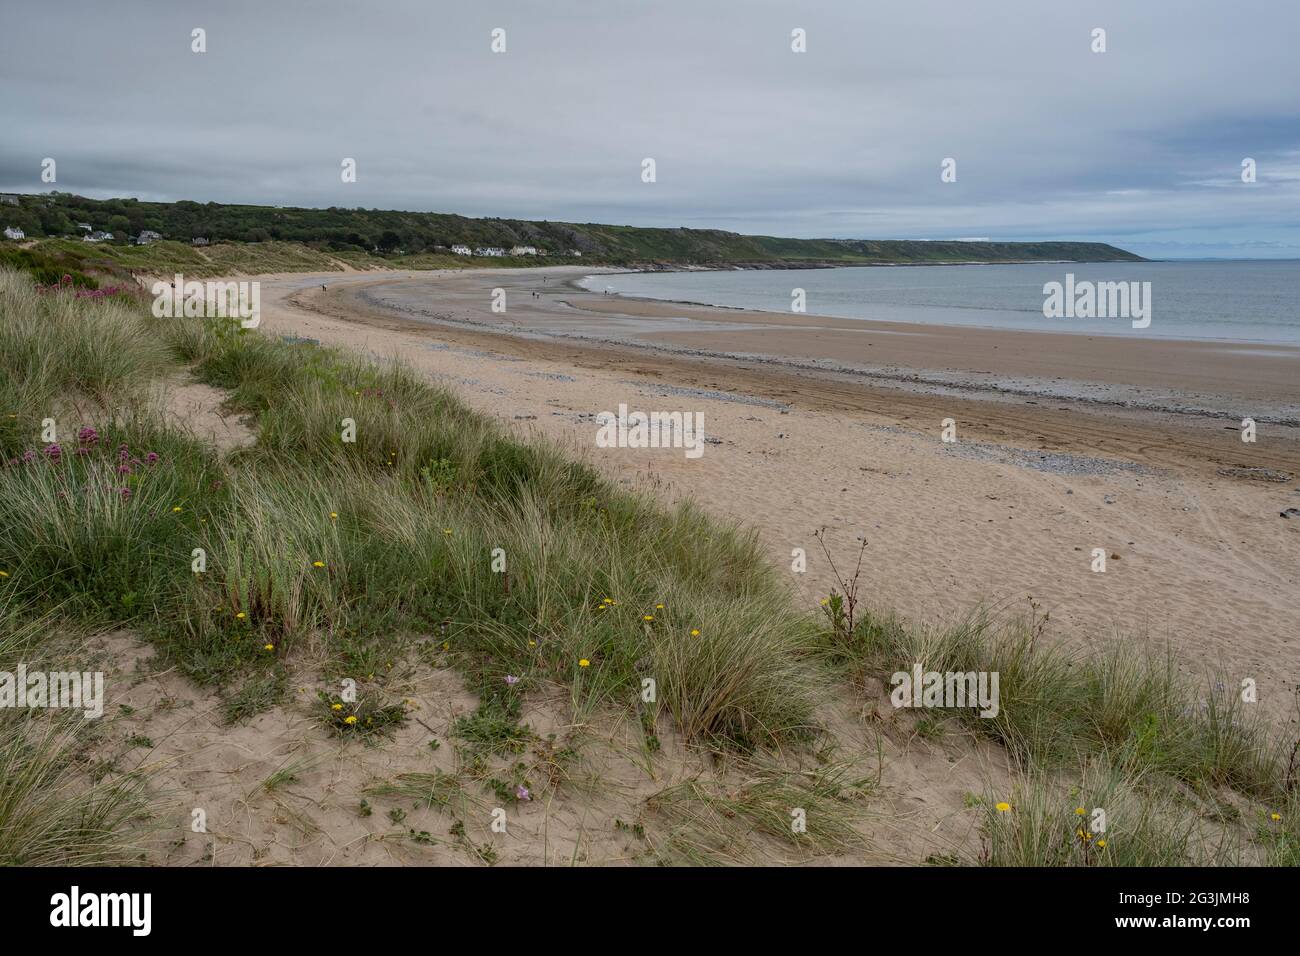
x,y
1140,144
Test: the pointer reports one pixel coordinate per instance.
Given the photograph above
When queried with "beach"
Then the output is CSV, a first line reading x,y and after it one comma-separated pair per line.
x,y
1145,462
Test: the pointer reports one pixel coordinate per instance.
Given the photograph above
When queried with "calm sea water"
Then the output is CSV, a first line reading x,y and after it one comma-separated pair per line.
x,y
1253,301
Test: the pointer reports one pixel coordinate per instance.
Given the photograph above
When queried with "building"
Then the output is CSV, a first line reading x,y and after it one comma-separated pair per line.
x,y
491,251
461,250
13,232
147,236
97,237
523,250
575,253
85,226
9,198
199,241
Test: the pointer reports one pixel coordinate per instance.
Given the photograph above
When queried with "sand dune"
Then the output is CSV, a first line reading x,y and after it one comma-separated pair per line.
x,y
1197,553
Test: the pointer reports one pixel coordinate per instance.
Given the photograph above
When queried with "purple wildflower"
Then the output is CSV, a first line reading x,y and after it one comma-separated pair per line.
x,y
522,793
151,458
511,680
88,436
54,452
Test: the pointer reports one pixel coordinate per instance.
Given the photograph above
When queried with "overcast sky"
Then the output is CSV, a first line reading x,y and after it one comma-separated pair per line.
x,y
1141,145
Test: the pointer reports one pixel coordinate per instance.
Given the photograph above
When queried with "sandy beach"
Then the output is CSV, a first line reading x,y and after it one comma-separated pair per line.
x,y
1128,445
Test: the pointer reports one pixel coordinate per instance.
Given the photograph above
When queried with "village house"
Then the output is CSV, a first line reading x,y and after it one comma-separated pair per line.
x,y
9,198
147,236
97,237
13,232
461,250
199,241
523,250
85,226
491,251
575,253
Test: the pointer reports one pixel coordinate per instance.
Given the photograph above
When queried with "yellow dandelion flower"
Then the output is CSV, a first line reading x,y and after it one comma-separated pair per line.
x,y
695,632
268,647
318,564
1079,811
648,617
336,706
4,574
446,531
608,601
1101,844
352,719
240,616
176,509
1079,834
334,515
1003,807
1275,817
659,607
532,643
584,663
825,602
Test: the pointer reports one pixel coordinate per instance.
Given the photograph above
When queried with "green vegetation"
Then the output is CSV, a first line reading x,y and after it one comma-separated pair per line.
x,y
293,239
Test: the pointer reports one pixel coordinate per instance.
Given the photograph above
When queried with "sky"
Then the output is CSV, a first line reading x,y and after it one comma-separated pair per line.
x,y
1141,145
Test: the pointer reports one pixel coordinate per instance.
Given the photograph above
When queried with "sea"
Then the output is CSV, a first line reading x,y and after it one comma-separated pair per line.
x,y
1240,301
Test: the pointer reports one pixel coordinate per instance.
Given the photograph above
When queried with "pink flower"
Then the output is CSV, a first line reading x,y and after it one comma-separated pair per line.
x,y
54,451
522,793
151,458
511,680
88,436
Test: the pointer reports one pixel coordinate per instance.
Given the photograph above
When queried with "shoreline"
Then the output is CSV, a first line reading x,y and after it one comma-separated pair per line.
x,y
1163,376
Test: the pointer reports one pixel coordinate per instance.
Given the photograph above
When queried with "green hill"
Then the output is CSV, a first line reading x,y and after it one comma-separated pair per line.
x,y
366,237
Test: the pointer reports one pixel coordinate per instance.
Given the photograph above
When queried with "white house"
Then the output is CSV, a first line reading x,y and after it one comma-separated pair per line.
x,y
461,251
147,236
13,232
493,251
199,241
97,237
523,250
85,226
9,198
575,253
